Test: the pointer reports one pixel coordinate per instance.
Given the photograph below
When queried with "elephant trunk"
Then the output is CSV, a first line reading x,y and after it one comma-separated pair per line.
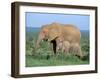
x,y
38,43
40,38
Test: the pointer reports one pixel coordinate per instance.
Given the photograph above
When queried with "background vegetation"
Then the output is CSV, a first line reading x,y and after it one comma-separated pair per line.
x,y
44,56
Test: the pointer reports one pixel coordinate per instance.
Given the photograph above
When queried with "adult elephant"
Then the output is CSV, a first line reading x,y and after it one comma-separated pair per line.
x,y
52,32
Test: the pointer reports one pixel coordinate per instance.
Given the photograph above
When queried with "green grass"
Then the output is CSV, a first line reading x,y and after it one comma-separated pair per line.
x,y
45,57
53,60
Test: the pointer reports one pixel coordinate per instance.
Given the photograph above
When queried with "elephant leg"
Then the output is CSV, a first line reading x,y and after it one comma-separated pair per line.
x,y
57,49
79,52
76,50
66,46
67,50
54,46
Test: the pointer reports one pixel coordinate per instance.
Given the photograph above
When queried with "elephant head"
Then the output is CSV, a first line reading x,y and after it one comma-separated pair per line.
x,y
42,35
48,32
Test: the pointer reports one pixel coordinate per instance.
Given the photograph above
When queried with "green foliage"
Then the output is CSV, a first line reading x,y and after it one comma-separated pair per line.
x,y
52,60
44,56
85,45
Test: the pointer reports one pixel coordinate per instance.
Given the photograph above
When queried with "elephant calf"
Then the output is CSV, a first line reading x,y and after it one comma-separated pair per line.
x,y
67,47
62,45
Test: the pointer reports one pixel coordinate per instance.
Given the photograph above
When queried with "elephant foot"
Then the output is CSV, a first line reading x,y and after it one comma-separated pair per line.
x,y
85,57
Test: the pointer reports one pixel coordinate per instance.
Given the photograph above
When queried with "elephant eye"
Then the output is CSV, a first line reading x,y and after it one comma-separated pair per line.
x,y
43,32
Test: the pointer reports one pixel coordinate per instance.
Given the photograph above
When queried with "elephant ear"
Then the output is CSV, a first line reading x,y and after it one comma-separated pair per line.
x,y
55,31
53,34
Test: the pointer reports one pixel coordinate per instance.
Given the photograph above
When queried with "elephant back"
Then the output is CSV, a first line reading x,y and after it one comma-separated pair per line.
x,y
71,33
